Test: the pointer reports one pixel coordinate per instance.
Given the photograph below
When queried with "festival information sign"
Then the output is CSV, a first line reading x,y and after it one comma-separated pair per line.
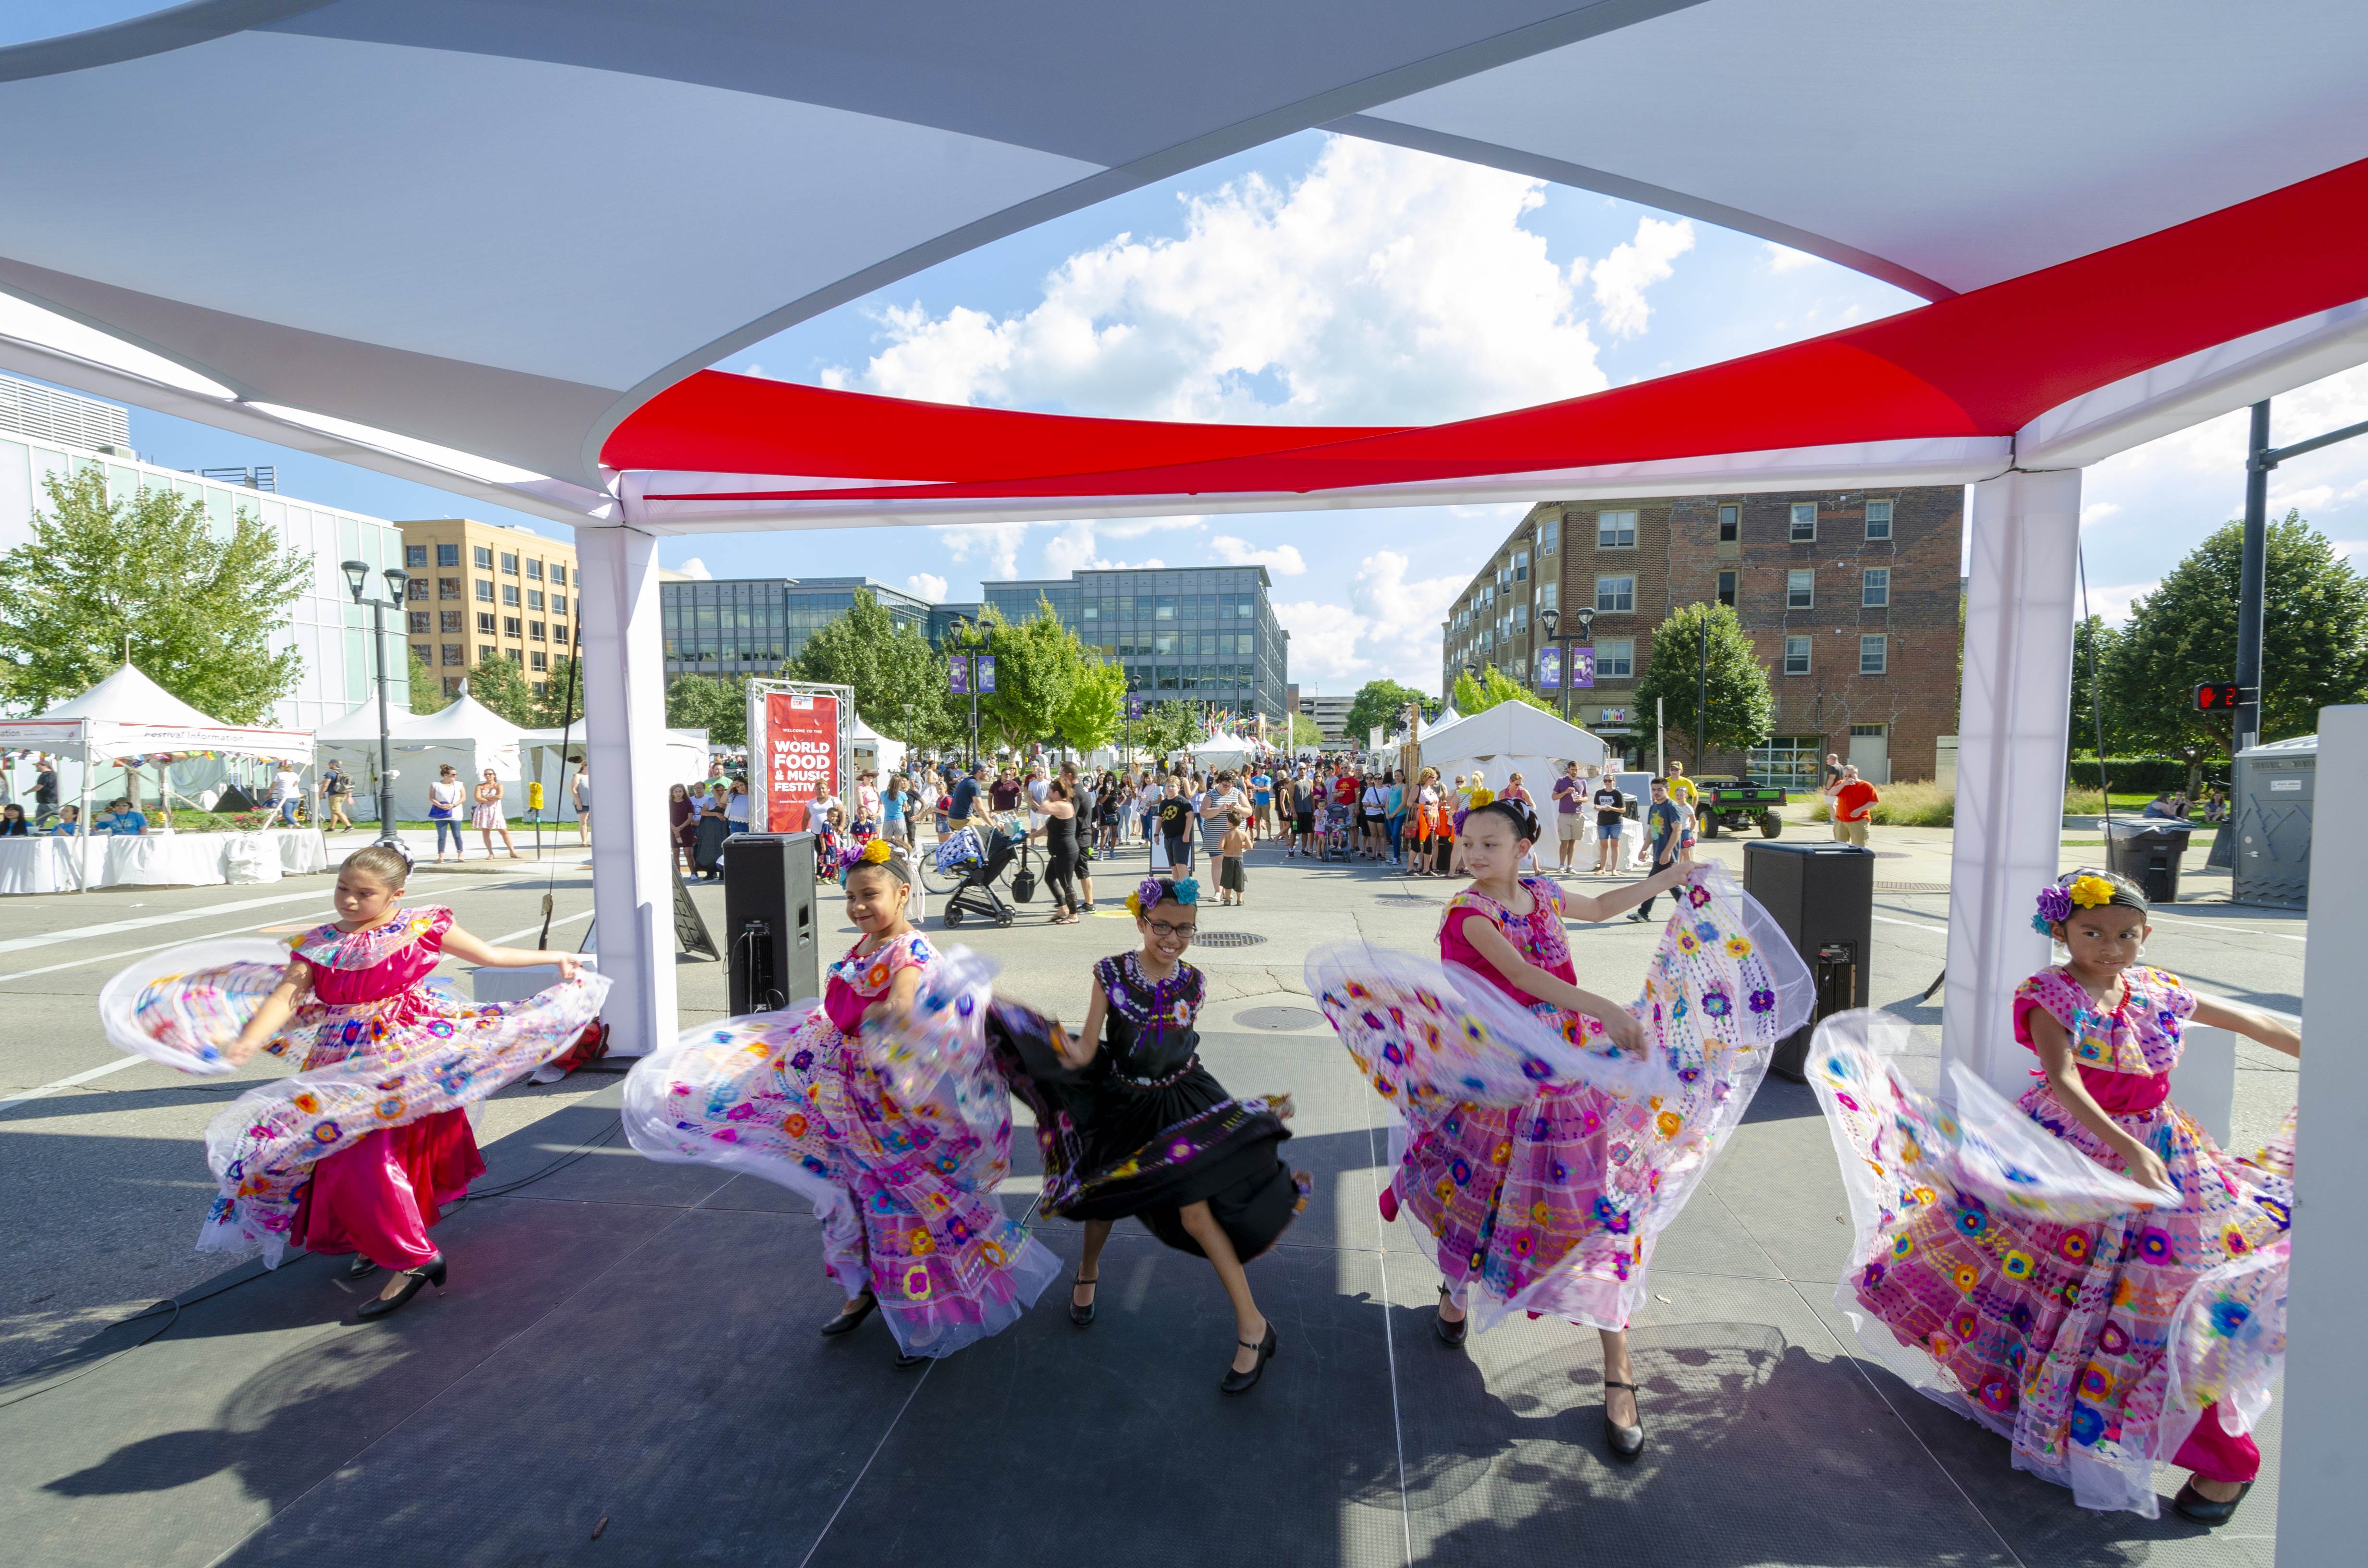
x,y
801,746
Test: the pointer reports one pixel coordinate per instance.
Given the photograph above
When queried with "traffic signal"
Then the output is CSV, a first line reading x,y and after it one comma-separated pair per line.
x,y
2217,697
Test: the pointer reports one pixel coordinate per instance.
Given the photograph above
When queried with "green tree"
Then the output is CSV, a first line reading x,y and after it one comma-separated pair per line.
x,y
1088,717
553,704
2094,646
1476,696
2314,641
1742,710
710,703
1167,728
1036,662
899,680
1303,731
426,691
499,683
197,607
1384,703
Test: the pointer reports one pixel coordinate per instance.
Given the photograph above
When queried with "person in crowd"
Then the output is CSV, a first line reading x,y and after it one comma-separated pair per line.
x,y
45,790
895,802
69,820
1139,1127
1373,807
1109,810
2216,804
304,1159
1666,823
1570,826
1062,847
1262,802
2162,805
490,818
1176,826
735,808
336,794
580,790
1611,823
1309,794
682,822
1683,789
444,798
121,818
12,822
962,805
1232,879
1394,810
1221,798
287,794
1833,771
713,827
816,1098
1853,807
1006,795
2122,1318
1532,1191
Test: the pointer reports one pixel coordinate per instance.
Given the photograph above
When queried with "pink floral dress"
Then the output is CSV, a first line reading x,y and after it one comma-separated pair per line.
x,y
2102,1344
900,1156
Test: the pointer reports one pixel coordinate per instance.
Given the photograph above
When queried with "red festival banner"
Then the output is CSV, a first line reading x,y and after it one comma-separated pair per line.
x,y
801,741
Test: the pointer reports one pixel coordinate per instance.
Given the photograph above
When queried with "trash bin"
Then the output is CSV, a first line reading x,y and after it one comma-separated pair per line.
x,y
2147,850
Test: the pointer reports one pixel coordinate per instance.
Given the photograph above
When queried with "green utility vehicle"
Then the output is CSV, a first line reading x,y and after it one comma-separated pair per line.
x,y
1727,802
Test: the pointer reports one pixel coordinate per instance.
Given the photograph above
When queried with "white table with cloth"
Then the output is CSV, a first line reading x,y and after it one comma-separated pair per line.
x,y
160,859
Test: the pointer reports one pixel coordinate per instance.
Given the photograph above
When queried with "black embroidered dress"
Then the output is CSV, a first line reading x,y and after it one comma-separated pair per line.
x,y
1144,1129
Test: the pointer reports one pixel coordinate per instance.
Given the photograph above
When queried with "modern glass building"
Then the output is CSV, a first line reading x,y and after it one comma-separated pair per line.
x,y
944,617
1202,633
44,431
748,626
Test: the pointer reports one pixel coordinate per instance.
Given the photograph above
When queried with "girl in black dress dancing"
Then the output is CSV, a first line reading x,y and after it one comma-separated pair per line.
x,y
1131,1123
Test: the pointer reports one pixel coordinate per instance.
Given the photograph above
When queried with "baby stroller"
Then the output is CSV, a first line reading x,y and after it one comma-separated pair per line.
x,y
975,860
1335,833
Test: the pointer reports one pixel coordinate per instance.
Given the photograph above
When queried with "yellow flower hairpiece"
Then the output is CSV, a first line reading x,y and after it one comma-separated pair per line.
x,y
2091,893
876,852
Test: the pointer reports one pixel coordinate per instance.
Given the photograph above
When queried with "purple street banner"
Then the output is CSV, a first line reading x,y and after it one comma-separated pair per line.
x,y
1582,667
961,666
986,675
1549,669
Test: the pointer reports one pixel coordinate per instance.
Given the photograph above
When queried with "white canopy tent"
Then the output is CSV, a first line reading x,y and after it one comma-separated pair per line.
x,y
465,734
869,749
829,159
1509,738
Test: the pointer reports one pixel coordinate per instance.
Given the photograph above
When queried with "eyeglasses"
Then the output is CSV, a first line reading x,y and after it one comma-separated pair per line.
x,y
1171,931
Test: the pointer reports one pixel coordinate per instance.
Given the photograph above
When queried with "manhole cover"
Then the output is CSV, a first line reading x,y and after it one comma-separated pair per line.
x,y
1911,887
1278,1017
1226,939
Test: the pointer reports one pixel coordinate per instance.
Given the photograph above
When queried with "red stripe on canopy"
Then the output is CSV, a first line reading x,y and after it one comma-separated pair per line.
x,y
1984,363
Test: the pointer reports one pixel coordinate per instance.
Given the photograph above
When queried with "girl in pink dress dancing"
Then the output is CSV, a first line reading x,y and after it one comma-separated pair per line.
x,y
363,1147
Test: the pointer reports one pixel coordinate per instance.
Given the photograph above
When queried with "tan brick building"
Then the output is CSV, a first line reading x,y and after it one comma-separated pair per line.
x,y
486,588
1852,599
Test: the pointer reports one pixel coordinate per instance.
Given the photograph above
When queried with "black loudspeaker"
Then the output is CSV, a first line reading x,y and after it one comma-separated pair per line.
x,y
770,929
1823,897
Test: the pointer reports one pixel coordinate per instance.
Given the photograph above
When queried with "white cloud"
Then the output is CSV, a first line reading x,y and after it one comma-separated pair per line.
x,y
694,567
928,585
2113,604
2098,511
1388,628
1634,265
2309,498
1283,560
1784,258
994,545
1384,285
1135,528
1072,549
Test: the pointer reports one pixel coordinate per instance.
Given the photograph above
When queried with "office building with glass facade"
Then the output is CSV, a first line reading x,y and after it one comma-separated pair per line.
x,y
44,432
1197,634
748,626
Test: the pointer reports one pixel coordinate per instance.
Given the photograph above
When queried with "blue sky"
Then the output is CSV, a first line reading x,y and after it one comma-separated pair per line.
x,y
1326,279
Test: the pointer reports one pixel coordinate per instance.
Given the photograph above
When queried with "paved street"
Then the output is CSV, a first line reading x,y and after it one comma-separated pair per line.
x,y
1366,1444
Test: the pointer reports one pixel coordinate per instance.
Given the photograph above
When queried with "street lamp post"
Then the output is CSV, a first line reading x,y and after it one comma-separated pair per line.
x,y
356,577
1552,620
974,672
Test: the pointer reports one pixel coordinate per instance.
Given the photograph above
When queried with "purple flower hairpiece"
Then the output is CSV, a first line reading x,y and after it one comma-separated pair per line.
x,y
2055,906
1148,891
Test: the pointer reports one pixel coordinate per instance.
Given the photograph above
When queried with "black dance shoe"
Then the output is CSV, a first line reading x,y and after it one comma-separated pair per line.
x,y
1242,1382
428,1273
1625,1442
846,1321
2194,1505
362,1267
1084,1316
904,1360
1450,1334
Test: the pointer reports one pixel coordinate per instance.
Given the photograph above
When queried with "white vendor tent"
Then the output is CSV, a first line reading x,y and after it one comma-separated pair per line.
x,y
873,750
1509,738
1223,749
466,734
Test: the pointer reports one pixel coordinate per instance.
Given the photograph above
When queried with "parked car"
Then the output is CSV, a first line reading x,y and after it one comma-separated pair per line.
x,y
1728,801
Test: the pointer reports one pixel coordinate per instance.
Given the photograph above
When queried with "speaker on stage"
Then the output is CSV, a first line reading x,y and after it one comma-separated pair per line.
x,y
1823,897
769,928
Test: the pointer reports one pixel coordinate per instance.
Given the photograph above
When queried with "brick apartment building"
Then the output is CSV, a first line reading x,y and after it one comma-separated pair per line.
x,y
1852,599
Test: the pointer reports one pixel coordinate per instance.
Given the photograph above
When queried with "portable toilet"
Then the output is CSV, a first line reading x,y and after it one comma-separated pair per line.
x,y
2275,785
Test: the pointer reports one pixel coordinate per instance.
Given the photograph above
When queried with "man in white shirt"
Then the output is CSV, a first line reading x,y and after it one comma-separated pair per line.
x,y
1040,789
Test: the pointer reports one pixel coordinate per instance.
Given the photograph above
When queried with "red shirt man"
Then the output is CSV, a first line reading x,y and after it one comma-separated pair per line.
x,y
1854,801
1344,788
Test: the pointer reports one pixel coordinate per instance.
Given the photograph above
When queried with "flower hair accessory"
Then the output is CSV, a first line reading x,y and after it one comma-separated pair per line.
x,y
2091,891
2055,904
1187,892
872,854
1151,890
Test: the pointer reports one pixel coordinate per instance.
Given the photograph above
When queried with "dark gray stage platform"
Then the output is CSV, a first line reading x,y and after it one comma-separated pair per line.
x,y
629,1348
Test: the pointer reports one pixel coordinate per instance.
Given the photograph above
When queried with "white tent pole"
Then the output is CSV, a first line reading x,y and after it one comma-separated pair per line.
x,y
624,722
2011,758
2326,1469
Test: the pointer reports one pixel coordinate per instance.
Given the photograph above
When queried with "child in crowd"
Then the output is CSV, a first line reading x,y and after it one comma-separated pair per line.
x,y
1230,850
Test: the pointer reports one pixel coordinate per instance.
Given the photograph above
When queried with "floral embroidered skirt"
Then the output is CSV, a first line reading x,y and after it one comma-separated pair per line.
x,y
2099,1338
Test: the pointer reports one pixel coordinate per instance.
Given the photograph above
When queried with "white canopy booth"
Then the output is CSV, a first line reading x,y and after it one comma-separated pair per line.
x,y
871,749
470,737
1509,738
564,378
128,720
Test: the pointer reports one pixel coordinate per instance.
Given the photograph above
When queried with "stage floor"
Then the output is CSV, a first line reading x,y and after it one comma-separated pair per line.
x,y
625,1370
